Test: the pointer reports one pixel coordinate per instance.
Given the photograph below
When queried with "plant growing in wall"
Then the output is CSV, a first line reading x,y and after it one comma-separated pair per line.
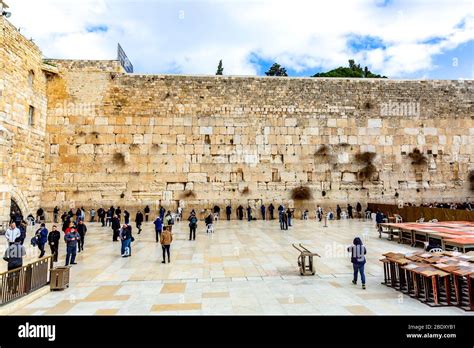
x,y
119,158
245,191
188,194
418,158
323,154
366,173
301,193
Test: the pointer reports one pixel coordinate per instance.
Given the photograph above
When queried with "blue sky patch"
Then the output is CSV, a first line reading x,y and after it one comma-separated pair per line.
x,y
97,29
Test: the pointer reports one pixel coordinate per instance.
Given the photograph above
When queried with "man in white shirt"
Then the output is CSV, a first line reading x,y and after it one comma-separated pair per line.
x,y
12,233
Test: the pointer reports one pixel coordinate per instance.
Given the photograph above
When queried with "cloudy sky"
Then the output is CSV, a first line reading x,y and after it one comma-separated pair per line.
x,y
397,38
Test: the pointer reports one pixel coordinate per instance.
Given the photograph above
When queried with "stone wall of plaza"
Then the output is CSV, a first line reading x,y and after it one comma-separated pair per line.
x,y
100,136
22,142
130,140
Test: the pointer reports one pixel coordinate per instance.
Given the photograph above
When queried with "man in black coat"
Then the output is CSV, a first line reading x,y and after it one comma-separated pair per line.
x,y
271,208
240,212
115,228
228,212
53,241
349,211
81,229
118,212
139,220
147,212
55,214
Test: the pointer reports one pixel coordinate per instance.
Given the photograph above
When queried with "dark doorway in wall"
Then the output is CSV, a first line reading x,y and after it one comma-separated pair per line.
x,y
14,210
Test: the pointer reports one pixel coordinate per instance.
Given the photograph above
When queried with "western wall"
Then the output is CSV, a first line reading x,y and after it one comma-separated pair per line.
x,y
104,137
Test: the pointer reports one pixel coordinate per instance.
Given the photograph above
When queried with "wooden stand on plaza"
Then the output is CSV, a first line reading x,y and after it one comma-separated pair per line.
x,y
305,260
437,279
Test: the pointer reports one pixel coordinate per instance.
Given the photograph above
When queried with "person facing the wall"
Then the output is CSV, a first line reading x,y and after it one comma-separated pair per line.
x,y
358,252
158,228
139,221
166,240
81,229
147,212
192,225
228,212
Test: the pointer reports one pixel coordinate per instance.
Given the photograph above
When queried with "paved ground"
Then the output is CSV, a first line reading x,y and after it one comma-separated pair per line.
x,y
244,268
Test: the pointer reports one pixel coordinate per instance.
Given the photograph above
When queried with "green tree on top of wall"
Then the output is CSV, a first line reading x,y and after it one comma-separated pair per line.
x,y
354,70
276,70
220,68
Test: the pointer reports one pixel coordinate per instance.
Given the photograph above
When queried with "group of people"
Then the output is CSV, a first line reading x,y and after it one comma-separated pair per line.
x,y
75,230
74,237
460,206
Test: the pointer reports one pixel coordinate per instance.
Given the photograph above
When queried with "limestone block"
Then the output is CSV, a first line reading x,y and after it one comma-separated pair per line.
x,y
87,149
412,131
175,187
205,130
374,123
291,122
197,177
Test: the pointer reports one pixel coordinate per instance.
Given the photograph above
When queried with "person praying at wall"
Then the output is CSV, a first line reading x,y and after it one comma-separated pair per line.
x,y
228,212
338,212
283,220
289,213
240,212
249,213
262,211
281,209
271,209
359,210
147,212
349,211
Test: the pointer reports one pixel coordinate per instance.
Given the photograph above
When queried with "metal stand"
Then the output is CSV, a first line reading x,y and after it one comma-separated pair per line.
x,y
305,260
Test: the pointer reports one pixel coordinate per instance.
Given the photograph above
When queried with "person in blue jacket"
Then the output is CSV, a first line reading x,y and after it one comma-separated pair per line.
x,y
42,238
158,228
358,251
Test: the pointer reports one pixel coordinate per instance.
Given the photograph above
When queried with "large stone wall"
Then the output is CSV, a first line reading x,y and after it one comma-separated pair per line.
x,y
22,84
130,140
101,136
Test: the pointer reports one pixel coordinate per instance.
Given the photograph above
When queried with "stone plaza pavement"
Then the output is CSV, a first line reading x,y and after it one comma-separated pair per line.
x,y
244,268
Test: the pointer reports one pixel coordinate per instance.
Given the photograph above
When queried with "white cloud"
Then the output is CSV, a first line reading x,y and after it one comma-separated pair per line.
x,y
191,36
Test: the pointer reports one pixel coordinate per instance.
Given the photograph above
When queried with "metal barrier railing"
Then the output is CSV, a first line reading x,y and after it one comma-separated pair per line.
x,y
24,280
